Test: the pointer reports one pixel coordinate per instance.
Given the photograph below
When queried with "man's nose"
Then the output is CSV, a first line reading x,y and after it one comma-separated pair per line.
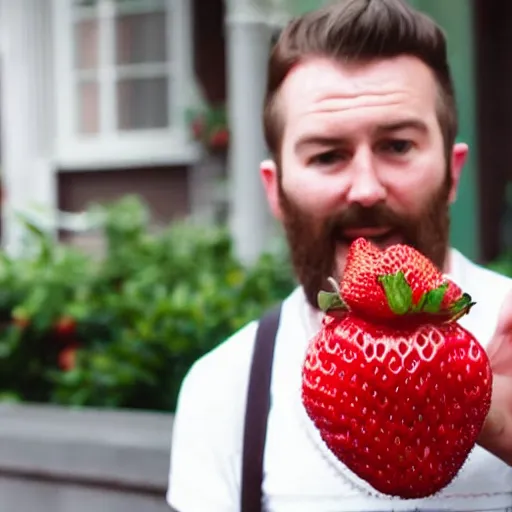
x,y
365,186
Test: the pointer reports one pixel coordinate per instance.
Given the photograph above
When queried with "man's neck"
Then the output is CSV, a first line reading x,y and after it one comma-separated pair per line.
x,y
448,262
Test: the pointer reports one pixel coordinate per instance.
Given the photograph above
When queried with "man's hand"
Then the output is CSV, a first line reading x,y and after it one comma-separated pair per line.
x,y
496,435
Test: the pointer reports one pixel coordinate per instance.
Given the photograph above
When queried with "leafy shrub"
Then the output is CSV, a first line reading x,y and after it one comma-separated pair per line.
x,y
122,330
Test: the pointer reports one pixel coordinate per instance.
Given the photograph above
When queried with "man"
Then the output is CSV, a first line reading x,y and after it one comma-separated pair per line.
x,y
360,118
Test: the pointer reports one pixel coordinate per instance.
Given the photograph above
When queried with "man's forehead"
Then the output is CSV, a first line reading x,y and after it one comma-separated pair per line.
x,y
324,83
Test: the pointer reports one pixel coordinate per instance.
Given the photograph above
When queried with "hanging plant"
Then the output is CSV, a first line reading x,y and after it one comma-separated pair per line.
x,y
209,126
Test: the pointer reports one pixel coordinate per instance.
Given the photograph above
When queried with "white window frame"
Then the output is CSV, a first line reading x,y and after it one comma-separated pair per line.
x,y
112,149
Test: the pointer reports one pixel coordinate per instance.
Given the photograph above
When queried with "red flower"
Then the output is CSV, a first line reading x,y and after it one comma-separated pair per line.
x,y
219,139
67,357
198,128
65,326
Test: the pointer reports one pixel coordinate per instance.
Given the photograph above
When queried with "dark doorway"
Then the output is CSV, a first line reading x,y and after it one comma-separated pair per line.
x,y
493,52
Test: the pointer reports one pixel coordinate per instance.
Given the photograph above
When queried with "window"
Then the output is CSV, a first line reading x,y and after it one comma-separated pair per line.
x,y
123,69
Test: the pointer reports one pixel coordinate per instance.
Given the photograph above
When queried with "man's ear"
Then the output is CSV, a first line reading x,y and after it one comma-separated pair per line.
x,y
459,157
270,178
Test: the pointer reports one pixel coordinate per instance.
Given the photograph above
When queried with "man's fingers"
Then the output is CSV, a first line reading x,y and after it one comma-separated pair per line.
x,y
500,357
499,349
504,325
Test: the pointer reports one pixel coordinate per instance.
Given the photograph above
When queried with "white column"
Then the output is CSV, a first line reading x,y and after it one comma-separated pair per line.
x,y
27,111
248,37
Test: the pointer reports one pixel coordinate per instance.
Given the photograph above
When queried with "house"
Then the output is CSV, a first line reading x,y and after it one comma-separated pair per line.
x,y
94,100
95,95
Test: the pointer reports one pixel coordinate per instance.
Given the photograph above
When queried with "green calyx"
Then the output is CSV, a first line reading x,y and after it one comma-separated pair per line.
x,y
328,301
400,299
399,296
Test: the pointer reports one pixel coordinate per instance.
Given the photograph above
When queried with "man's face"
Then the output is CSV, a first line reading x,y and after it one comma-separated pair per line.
x,y
362,155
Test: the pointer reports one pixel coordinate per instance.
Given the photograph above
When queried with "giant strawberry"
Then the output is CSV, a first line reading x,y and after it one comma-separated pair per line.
x,y
397,388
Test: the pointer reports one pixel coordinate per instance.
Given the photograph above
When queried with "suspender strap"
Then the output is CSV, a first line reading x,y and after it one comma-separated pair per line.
x,y
257,409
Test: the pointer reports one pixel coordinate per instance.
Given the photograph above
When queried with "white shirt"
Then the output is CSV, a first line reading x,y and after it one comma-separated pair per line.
x,y
300,473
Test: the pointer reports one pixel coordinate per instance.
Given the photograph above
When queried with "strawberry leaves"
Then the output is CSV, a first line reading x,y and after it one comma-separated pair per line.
x,y
328,301
431,301
398,292
399,296
461,306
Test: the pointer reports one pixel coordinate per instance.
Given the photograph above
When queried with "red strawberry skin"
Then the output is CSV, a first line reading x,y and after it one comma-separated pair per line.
x,y
402,409
398,390
365,262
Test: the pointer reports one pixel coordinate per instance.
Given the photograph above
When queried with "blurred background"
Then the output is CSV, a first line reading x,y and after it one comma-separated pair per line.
x,y
135,234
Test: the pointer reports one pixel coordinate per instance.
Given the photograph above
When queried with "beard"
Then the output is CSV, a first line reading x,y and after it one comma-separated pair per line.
x,y
313,242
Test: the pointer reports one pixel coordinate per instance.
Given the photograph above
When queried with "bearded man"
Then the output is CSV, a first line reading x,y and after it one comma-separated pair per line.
x,y
361,122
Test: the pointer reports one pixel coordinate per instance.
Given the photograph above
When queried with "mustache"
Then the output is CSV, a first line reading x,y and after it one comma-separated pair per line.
x,y
358,217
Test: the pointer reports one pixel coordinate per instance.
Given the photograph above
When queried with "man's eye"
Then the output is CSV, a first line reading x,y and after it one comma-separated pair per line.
x,y
327,158
399,147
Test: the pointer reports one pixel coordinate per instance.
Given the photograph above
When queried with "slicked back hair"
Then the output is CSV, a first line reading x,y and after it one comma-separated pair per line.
x,y
360,31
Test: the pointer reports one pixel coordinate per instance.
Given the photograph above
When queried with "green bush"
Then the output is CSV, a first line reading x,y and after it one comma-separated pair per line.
x,y
502,264
122,330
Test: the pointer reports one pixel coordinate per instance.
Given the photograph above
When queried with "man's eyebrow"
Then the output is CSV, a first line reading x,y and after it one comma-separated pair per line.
x,y
405,124
326,141
317,140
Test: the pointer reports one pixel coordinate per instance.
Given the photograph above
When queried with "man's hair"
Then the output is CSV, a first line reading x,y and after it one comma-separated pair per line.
x,y
360,31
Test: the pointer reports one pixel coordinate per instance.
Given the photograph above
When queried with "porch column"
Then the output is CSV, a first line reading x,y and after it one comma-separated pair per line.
x,y
27,111
248,38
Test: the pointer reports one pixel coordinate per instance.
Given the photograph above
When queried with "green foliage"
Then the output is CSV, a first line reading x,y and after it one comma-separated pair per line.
x,y
122,330
209,126
503,264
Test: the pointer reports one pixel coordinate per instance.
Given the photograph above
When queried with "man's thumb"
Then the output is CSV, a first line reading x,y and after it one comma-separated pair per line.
x,y
500,346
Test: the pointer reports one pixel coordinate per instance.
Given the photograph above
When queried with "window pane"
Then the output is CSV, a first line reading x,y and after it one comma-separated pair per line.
x,y
86,44
88,107
141,38
142,103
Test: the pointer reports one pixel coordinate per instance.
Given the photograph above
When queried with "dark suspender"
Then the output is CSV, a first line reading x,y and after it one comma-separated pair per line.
x,y
256,412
